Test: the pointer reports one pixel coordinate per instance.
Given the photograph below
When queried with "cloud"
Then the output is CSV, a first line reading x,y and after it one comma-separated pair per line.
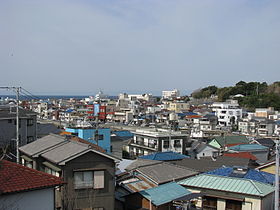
x,y
79,47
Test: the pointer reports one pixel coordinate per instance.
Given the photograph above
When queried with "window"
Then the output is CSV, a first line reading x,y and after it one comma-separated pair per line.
x,y
166,144
177,143
30,139
83,179
89,179
51,171
29,122
100,137
10,120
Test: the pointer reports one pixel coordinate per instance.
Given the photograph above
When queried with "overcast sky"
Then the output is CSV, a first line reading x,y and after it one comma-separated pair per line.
x,y
137,46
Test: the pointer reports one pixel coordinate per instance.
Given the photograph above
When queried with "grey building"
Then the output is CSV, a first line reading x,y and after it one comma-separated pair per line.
x,y
89,174
27,126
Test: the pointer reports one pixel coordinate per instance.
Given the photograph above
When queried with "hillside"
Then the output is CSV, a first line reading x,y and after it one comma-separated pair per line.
x,y
256,94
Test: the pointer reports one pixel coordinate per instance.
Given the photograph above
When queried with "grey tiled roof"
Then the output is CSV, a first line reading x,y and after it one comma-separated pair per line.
x,y
43,144
65,151
141,163
208,164
165,172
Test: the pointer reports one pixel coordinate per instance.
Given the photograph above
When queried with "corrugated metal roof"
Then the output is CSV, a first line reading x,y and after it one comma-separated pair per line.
x,y
164,172
248,147
229,184
165,193
164,156
43,144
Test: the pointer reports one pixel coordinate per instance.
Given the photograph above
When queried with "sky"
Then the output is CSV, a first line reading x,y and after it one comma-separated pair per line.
x,y
78,47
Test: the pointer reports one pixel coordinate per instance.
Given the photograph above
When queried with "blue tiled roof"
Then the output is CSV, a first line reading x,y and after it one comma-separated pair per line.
x,y
251,174
69,110
165,193
247,147
164,156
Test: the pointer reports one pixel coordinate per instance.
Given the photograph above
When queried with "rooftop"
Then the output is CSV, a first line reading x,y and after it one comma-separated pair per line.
x,y
16,178
228,184
248,147
164,156
159,195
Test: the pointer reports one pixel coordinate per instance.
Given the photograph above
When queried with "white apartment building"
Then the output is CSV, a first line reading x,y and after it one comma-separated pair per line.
x,y
227,112
147,141
169,94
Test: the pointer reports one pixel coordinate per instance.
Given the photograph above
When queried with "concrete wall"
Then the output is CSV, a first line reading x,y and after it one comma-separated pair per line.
x,y
32,200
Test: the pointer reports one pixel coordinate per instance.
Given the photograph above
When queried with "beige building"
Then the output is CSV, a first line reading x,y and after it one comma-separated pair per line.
x,y
178,106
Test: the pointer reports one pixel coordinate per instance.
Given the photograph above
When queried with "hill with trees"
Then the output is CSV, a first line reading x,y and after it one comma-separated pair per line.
x,y
254,94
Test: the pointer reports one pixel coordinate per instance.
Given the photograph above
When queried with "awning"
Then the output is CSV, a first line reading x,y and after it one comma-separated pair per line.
x,y
51,166
26,158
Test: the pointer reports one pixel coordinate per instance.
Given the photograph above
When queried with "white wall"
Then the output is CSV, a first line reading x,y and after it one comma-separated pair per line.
x,y
33,200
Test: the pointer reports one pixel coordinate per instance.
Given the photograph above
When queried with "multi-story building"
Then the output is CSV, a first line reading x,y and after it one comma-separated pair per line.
x,y
156,140
247,127
203,127
99,136
228,112
27,126
170,94
179,107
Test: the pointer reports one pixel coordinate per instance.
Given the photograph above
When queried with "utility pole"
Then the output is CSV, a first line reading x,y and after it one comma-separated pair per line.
x,y
17,90
276,202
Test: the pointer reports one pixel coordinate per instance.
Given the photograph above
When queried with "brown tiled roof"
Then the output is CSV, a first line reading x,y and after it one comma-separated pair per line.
x,y
16,178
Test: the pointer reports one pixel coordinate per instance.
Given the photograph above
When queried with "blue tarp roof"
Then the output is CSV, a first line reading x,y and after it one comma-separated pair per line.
x,y
69,110
164,156
251,174
165,193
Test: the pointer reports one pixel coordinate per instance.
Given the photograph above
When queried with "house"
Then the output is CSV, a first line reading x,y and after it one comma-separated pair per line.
x,y
203,127
223,192
248,126
98,136
89,173
24,188
259,151
202,149
157,198
222,142
156,140
266,128
27,127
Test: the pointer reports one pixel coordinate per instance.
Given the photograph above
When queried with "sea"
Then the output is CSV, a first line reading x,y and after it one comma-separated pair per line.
x,y
46,97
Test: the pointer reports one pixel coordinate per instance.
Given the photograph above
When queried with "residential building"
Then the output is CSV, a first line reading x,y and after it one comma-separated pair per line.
x,y
27,127
266,128
247,127
89,173
25,188
264,112
170,94
156,140
223,192
98,136
222,142
228,112
202,149
178,107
